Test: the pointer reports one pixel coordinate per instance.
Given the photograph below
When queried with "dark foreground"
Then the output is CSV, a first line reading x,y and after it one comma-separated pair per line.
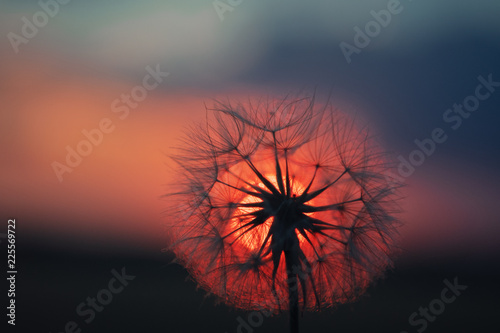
x,y
55,288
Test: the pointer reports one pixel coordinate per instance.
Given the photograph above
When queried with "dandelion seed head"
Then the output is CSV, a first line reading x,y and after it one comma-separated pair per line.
x,y
270,188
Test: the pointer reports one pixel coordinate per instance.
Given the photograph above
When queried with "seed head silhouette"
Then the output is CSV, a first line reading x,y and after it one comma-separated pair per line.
x,y
282,205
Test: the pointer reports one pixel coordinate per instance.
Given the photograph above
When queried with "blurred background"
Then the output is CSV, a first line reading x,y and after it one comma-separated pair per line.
x,y
66,66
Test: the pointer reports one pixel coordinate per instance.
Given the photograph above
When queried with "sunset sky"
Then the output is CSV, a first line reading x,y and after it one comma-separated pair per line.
x,y
67,74
64,80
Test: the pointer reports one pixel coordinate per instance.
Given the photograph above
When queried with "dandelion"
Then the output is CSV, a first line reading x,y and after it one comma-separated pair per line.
x,y
281,205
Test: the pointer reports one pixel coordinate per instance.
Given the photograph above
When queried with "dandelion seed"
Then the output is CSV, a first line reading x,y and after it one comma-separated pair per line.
x,y
282,205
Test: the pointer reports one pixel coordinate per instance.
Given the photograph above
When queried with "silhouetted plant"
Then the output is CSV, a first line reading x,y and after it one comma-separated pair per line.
x,y
281,204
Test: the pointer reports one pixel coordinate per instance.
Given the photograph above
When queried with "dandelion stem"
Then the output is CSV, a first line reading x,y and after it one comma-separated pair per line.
x,y
293,293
